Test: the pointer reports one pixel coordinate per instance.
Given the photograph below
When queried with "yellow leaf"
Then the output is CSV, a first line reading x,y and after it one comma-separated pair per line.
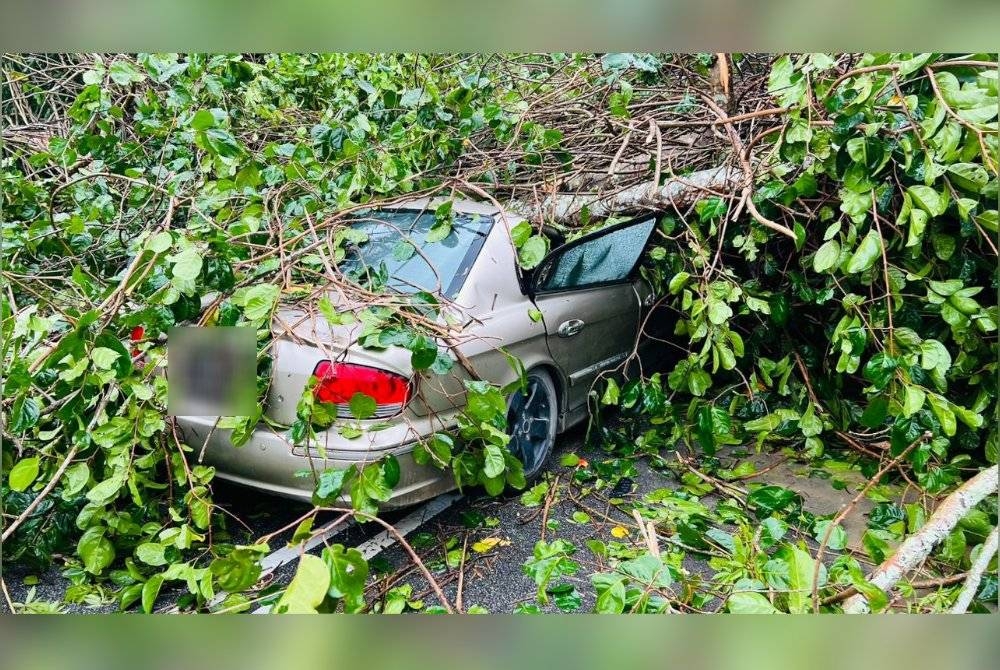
x,y
488,543
619,532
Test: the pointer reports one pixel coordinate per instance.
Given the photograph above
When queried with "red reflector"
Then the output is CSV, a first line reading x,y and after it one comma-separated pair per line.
x,y
338,382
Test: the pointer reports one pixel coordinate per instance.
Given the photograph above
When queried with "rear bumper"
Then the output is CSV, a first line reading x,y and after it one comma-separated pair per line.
x,y
268,461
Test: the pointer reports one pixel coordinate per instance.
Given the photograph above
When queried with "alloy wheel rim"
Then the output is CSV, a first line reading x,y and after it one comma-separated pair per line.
x,y
529,423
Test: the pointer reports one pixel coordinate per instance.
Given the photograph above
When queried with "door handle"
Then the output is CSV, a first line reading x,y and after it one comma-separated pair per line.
x,y
570,328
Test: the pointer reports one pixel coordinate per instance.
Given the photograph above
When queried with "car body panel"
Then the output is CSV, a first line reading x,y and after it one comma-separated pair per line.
x,y
497,323
608,319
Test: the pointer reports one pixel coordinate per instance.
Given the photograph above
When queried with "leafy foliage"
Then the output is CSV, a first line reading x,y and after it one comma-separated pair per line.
x,y
167,189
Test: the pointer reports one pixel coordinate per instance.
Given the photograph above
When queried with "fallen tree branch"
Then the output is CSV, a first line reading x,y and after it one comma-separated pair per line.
x,y
934,583
986,554
676,190
748,176
919,545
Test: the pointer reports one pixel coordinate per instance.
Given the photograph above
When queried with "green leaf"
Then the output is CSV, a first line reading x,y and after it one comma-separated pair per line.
x,y
107,489
151,553
160,242
236,572
934,356
123,73
611,393
348,573
493,461
221,142
329,485
187,267
95,550
259,301
880,369
438,232
866,254
826,256
308,587
678,282
801,567
203,120
810,424
77,476
23,474
362,406
150,591
520,234
942,410
424,352
612,599
699,382
719,312
969,176
711,208
749,602
876,597
928,200
838,536
24,414
532,252
769,499
913,400
103,357
911,65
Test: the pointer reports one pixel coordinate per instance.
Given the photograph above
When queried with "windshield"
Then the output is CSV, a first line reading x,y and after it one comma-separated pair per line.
x,y
398,250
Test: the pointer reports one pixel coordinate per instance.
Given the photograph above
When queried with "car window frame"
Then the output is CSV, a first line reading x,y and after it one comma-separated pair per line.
x,y
534,290
464,268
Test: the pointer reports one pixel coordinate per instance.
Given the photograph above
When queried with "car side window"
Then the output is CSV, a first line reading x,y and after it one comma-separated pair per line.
x,y
607,258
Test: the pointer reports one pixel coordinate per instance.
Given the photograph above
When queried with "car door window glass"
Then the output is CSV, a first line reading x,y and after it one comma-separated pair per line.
x,y
605,259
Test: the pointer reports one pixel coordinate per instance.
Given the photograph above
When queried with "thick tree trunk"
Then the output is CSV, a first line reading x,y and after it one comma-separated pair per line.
x,y
606,200
919,545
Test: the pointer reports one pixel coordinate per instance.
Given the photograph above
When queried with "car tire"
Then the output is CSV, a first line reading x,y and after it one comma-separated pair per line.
x,y
531,421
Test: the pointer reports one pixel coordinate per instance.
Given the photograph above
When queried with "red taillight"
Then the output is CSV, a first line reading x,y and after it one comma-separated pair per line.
x,y
338,382
135,336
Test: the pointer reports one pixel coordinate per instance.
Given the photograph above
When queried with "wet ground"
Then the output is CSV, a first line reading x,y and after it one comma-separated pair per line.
x,y
498,535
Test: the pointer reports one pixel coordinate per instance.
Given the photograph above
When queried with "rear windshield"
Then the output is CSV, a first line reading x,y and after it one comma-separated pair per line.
x,y
390,250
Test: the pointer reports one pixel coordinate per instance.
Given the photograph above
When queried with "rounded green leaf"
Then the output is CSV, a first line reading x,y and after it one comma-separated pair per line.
x,y
23,474
749,602
826,256
866,254
362,406
532,251
203,120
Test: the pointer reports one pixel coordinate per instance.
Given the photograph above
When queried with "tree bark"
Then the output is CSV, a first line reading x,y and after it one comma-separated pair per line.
x,y
986,554
919,545
676,191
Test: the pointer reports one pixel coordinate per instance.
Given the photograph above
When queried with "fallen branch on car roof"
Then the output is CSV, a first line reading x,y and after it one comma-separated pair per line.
x,y
676,191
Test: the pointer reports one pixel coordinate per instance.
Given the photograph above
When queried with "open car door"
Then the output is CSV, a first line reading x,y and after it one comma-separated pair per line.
x,y
586,293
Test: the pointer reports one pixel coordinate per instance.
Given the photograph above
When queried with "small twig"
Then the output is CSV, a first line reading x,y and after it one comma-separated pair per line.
x,y
849,507
549,498
406,546
461,574
6,595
